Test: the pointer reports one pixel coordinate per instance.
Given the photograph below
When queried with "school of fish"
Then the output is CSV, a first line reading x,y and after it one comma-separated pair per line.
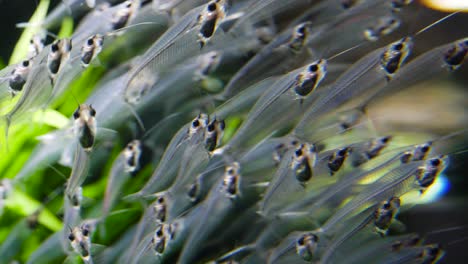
x,y
227,131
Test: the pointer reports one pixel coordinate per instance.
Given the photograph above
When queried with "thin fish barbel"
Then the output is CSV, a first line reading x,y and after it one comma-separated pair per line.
x,y
376,69
79,238
175,46
106,19
396,182
18,77
124,166
85,133
129,162
302,42
287,45
308,246
165,173
92,45
165,41
58,57
176,233
430,64
348,28
368,72
308,206
382,217
219,205
193,162
302,80
71,215
36,89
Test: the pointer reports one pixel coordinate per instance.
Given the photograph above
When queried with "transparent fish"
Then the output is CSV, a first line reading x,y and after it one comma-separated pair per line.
x,y
165,173
146,67
372,70
18,76
85,126
218,205
71,215
286,45
396,182
79,238
263,144
125,164
35,92
434,63
104,19
174,234
85,130
69,7
312,203
294,84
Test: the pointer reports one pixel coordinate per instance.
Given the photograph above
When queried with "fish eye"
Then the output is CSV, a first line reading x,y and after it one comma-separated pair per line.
x,y
71,237
211,127
425,148
222,125
399,46
313,67
301,241
211,7
128,5
279,146
76,114
90,42
161,200
25,63
386,206
385,139
435,162
299,152
395,200
159,233
342,152
192,192
433,251
346,4
405,158
196,123
301,30
54,47
92,111
85,253
234,179
85,232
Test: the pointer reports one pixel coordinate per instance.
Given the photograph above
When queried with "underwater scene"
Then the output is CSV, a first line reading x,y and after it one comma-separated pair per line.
x,y
233,131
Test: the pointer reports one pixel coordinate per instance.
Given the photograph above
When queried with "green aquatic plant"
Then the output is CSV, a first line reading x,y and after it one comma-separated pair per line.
x,y
220,131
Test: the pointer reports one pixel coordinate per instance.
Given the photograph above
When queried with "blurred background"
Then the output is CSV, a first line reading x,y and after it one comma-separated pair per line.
x,y
444,221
